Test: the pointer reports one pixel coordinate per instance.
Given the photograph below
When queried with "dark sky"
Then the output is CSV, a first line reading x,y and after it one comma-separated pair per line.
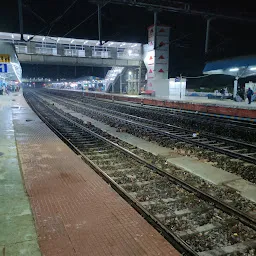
x,y
125,23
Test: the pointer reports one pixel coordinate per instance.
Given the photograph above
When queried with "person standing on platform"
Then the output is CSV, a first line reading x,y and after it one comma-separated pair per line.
x,y
6,89
222,91
1,89
83,89
249,95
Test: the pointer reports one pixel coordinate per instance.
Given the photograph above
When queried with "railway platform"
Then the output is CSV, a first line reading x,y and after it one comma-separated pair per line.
x,y
75,212
211,107
17,230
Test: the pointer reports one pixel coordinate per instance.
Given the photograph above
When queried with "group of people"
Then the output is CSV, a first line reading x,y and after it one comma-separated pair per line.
x,y
242,94
4,88
223,92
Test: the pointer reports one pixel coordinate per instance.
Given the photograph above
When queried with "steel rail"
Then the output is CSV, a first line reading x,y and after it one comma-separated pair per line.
x,y
238,143
176,241
244,218
180,112
233,154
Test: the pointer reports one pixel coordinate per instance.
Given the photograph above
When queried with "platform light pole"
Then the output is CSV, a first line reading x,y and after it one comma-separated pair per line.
x,y
21,19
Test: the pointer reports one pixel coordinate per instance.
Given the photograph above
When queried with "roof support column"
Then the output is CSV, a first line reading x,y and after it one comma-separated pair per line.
x,y
235,88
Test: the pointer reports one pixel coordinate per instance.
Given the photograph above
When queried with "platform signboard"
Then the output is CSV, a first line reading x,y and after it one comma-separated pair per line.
x,y
3,68
5,58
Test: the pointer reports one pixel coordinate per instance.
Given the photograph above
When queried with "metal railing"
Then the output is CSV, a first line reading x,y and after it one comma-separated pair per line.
x,y
77,51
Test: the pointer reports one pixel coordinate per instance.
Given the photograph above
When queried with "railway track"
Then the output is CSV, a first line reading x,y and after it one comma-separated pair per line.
x,y
169,204
229,147
242,130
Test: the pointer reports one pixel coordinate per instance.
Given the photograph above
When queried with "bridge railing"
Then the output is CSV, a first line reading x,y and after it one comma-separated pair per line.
x,y
78,50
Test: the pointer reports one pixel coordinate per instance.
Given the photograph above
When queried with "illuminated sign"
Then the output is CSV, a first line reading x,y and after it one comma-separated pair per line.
x,y
3,68
5,58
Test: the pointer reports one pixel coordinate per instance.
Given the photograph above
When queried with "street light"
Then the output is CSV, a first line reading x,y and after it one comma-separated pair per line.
x,y
253,68
130,73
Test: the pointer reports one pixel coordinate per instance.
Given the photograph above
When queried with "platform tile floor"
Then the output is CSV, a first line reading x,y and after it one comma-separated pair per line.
x,y
17,231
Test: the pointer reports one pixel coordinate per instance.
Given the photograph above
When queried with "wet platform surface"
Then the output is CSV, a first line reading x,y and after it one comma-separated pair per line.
x,y
17,230
75,211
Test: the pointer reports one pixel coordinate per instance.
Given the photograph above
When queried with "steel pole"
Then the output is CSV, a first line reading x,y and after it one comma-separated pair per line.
x,y
139,78
206,49
155,30
99,24
20,19
121,87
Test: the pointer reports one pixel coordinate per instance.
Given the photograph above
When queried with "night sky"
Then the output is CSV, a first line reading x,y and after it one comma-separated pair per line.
x,y
125,23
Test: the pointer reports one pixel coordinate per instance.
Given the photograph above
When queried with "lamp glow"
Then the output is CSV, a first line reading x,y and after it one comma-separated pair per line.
x,y
253,68
234,69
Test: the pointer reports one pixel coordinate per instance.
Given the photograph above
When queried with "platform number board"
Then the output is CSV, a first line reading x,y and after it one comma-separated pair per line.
x,y
5,58
3,68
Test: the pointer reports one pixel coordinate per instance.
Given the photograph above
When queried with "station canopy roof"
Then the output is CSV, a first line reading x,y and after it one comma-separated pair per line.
x,y
14,37
242,66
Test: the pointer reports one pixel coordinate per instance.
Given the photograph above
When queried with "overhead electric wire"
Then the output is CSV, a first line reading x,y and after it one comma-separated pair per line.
x,y
182,37
87,18
61,16
34,13
54,21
